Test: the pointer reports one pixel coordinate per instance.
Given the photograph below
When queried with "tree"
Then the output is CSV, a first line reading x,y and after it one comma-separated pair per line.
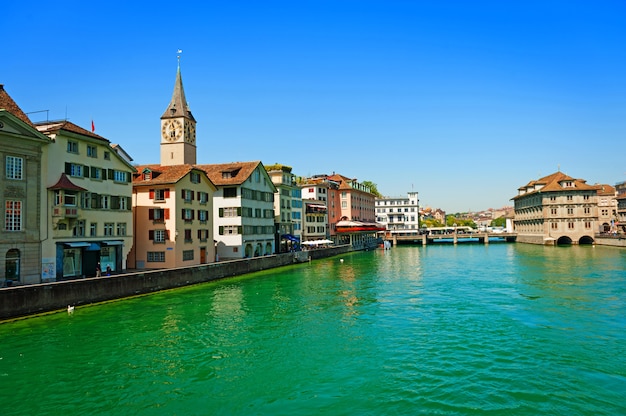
x,y
499,222
373,188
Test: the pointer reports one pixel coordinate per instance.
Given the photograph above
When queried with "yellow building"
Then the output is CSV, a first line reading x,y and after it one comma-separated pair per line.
x,y
87,206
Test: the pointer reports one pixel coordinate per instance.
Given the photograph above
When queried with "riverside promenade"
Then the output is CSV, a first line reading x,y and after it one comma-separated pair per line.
x,y
20,301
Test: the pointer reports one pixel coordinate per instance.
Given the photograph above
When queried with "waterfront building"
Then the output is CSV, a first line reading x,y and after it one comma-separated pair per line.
x,y
399,215
173,207
350,208
173,200
607,209
89,220
23,223
243,209
314,227
556,209
287,207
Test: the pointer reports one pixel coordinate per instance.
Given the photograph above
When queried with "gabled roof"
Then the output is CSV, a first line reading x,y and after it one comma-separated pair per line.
x,y
53,127
160,175
605,190
553,183
66,184
7,103
234,173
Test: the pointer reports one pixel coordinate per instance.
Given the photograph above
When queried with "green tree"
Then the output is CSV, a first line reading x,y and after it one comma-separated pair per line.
x,y
498,222
373,188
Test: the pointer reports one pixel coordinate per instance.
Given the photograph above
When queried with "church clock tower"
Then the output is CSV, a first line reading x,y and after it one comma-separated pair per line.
x,y
178,129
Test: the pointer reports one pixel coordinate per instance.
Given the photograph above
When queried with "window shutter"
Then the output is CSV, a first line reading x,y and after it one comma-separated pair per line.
x,y
199,234
198,195
150,234
167,213
221,214
129,203
129,177
111,174
68,168
193,214
151,214
167,234
151,193
167,193
191,195
239,229
183,213
239,211
86,171
221,230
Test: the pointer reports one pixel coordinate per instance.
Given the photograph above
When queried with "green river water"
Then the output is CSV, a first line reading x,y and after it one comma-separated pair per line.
x,y
438,330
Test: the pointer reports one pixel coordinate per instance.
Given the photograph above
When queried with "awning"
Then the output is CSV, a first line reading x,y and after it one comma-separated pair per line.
x,y
290,237
75,245
113,243
316,242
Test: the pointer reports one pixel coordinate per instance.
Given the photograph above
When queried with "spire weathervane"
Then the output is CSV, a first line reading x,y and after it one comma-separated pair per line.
x,y
178,57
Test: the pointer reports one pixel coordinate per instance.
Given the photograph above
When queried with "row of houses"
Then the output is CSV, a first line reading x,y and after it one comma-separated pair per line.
x,y
76,205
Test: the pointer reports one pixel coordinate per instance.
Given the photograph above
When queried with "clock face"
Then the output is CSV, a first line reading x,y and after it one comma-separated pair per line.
x,y
190,134
172,130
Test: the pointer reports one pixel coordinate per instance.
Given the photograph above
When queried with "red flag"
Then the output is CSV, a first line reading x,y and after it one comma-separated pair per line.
x,y
93,127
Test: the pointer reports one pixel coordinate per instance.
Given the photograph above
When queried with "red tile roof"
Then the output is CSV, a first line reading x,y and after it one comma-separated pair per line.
x,y
234,173
7,103
48,127
553,183
161,175
66,184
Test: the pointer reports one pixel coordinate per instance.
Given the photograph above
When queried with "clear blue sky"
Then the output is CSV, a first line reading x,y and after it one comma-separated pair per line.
x,y
462,101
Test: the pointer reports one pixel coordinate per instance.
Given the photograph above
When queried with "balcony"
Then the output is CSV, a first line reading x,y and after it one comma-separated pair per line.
x,y
65,212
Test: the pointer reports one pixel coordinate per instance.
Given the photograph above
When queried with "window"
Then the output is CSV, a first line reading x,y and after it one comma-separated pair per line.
x,y
194,177
554,226
92,151
570,197
93,229
587,224
13,215
158,214
587,210
570,211
156,256
79,229
119,176
187,255
75,170
203,235
159,194
203,215
229,212
230,229
12,265
104,201
203,197
553,211
14,167
586,197
187,214
108,229
187,195
121,228
157,236
188,236
70,198
257,176
107,155
96,173
72,147
230,192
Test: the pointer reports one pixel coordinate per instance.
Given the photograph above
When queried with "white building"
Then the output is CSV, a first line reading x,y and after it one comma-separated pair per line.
x,y
399,215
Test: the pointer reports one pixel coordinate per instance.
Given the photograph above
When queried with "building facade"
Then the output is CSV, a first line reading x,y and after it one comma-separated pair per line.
x,y
287,207
23,223
173,209
556,209
399,215
243,209
87,205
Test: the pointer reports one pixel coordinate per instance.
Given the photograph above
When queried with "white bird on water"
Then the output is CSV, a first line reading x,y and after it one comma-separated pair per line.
x,y
70,309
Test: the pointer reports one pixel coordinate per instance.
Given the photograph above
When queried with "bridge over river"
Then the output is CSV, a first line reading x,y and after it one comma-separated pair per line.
x,y
424,239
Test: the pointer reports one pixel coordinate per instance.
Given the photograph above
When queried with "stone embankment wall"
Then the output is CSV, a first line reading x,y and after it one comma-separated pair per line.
x,y
615,241
45,297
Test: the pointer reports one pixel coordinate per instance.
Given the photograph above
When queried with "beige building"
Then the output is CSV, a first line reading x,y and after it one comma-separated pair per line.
x,y
89,221
556,209
22,225
173,208
607,209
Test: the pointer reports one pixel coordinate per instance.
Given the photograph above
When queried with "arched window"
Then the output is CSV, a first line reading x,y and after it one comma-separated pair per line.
x,y
12,265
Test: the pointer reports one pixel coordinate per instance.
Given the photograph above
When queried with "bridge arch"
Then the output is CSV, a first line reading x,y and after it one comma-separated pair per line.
x,y
585,239
564,241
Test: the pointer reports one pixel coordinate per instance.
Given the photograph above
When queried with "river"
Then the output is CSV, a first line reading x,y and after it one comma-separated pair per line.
x,y
442,329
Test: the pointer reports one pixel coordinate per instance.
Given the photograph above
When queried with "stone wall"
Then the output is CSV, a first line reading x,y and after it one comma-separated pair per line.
x,y
33,299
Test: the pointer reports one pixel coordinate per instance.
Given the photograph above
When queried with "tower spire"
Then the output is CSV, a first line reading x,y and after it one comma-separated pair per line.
x,y
178,106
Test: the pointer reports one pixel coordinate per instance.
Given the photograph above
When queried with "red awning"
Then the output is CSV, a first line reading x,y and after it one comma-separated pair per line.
x,y
65,184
